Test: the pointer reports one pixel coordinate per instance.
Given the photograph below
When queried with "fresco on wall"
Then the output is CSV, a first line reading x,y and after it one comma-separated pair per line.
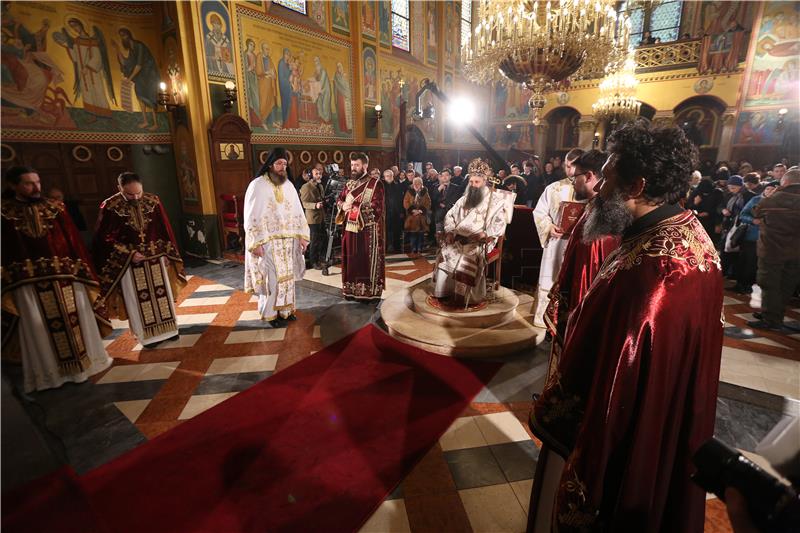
x,y
417,30
187,175
340,16
700,123
297,82
452,33
510,102
431,31
176,87
369,21
758,127
713,18
774,77
217,39
71,70
385,22
370,82
448,87
318,11
400,82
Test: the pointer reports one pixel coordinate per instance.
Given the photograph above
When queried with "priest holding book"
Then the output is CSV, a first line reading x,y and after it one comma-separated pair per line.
x,y
549,218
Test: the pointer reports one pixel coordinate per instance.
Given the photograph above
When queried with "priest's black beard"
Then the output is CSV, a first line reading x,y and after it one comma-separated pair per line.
x,y
277,178
474,196
606,217
356,176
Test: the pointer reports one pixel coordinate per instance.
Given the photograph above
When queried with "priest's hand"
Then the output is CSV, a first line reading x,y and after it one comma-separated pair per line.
x,y
556,233
137,258
258,251
303,245
481,237
450,237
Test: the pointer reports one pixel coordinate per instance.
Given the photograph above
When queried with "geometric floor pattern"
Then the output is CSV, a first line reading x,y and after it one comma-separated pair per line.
x,y
478,476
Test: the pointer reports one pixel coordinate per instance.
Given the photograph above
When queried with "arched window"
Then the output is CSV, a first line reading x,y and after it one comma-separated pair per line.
x,y
294,5
662,20
400,24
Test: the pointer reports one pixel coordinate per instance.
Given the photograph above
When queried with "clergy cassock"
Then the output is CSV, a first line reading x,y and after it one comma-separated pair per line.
x,y
581,263
363,238
274,219
144,292
545,215
49,291
635,391
461,266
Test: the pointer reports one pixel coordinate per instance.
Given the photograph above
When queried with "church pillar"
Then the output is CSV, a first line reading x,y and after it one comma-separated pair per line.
x,y
586,128
540,141
726,138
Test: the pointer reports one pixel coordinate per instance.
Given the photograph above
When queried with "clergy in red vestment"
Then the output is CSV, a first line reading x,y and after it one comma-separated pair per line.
x,y
634,394
137,258
52,322
582,261
361,212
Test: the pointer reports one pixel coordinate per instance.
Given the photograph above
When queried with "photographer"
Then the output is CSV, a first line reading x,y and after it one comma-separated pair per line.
x,y
312,196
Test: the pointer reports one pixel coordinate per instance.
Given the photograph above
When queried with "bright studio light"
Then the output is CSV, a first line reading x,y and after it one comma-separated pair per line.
x,y
461,110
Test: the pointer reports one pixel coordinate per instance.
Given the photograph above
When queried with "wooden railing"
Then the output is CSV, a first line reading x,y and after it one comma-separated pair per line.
x,y
668,55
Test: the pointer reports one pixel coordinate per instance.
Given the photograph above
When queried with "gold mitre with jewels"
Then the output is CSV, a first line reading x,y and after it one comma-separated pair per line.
x,y
480,167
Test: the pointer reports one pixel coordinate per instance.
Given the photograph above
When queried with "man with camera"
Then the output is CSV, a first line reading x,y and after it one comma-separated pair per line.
x,y
312,197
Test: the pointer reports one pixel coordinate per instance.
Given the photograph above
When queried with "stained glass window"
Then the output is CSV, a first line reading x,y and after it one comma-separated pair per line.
x,y
294,5
400,24
663,21
466,22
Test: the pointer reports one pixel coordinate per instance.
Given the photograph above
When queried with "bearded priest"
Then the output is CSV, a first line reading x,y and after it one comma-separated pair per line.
x,y
361,210
276,237
140,268
635,392
582,261
471,229
49,290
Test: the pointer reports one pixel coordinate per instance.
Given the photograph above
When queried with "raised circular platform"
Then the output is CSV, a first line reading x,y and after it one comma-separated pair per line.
x,y
500,328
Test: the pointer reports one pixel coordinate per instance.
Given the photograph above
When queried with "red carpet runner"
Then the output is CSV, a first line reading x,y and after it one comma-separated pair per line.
x,y
316,447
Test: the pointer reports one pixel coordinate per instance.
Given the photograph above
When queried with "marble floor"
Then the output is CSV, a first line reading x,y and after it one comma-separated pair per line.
x,y
476,478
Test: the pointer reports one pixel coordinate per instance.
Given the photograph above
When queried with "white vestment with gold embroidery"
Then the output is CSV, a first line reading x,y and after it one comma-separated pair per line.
x,y
274,219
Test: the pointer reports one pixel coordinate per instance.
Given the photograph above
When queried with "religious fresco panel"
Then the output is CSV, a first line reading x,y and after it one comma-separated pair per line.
x,y
774,73
217,40
318,11
369,19
298,83
340,16
417,31
452,33
369,80
431,32
758,127
73,71
400,82
385,22
510,102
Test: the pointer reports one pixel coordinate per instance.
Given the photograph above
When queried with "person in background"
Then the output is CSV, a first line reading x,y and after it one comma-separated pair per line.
x,y
417,203
458,177
312,195
558,169
431,183
394,194
304,177
778,171
705,203
748,258
778,250
443,199
50,288
549,176
535,182
739,197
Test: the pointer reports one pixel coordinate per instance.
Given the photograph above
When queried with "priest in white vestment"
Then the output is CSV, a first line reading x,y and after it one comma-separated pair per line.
x,y
471,230
546,217
276,236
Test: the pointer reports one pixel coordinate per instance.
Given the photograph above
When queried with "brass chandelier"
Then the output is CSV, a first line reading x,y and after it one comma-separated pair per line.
x,y
544,44
617,102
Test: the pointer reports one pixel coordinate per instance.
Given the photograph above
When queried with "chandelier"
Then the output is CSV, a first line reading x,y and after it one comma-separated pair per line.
x,y
617,101
544,44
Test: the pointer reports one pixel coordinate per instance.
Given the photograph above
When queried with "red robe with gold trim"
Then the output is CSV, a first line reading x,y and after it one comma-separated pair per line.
x,y
42,248
635,391
363,238
125,227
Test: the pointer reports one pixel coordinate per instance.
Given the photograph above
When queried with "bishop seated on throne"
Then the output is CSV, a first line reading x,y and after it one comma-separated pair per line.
x,y
472,229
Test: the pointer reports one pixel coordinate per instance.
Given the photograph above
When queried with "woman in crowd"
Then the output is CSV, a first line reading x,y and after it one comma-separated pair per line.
x,y
417,204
